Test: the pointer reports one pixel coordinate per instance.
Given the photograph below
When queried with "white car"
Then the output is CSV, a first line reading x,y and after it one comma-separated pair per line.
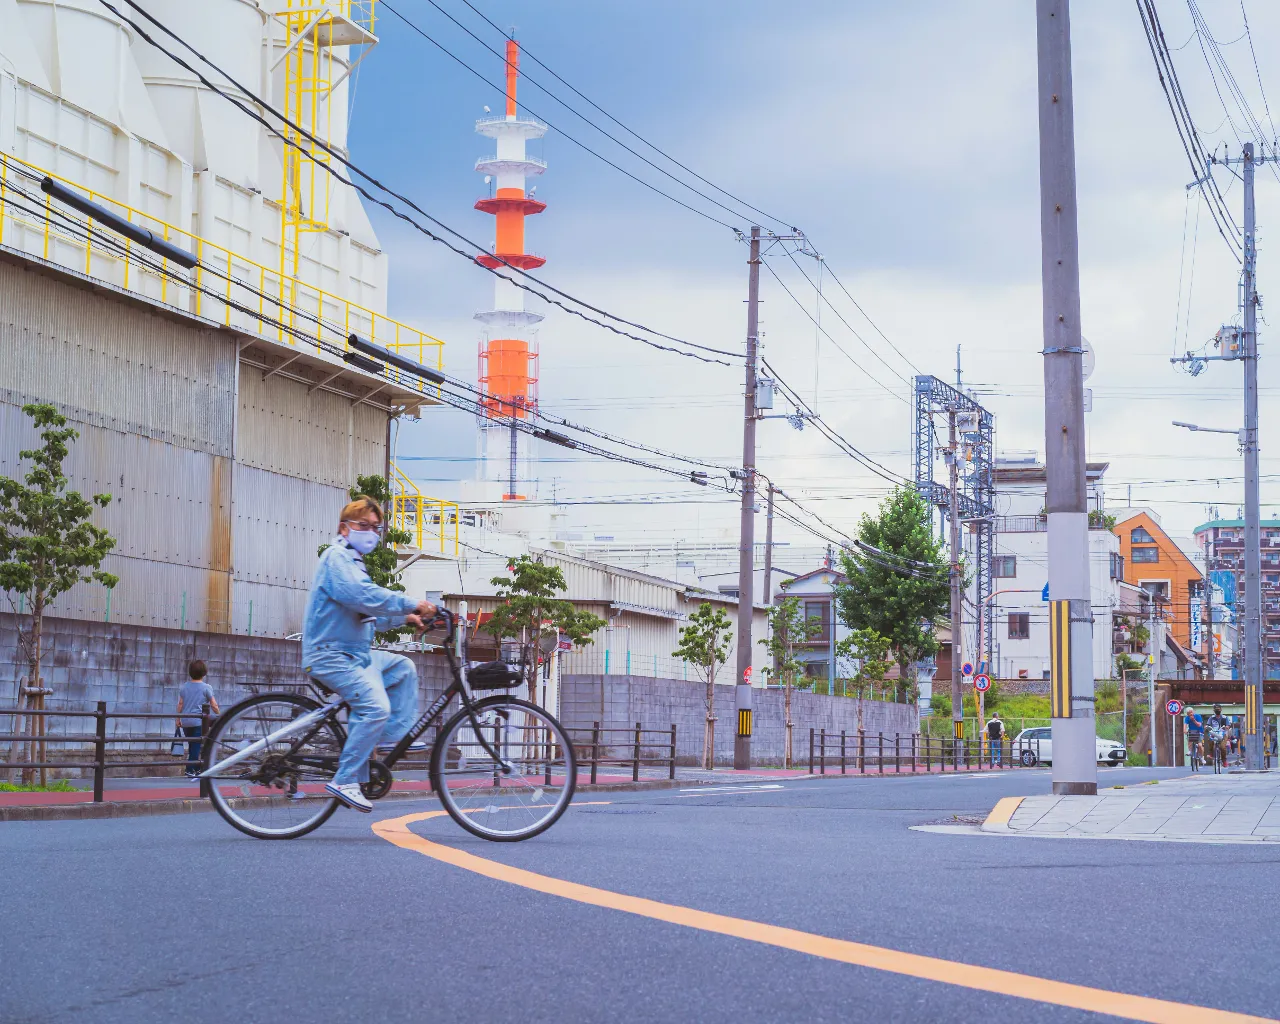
x,y
1035,746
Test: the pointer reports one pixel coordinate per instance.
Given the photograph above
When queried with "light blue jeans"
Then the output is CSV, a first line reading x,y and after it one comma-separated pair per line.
x,y
382,691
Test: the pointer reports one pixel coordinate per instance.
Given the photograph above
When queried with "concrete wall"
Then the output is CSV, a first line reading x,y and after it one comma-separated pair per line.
x,y
139,669
658,703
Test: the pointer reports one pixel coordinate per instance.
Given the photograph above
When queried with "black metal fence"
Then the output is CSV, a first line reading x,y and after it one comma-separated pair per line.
x,y
33,744
596,746
882,754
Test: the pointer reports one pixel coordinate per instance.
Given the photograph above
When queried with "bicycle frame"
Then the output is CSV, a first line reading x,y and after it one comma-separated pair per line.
x,y
311,723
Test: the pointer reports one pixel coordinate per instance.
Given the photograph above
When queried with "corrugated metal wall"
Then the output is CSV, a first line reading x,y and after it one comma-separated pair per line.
x,y
109,364
153,400
318,437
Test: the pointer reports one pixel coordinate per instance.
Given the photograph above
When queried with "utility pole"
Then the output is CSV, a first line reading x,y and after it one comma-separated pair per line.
x,y
746,538
957,578
1152,656
1254,728
768,549
1075,767
1248,654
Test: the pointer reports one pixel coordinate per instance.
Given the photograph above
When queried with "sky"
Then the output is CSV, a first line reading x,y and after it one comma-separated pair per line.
x,y
901,138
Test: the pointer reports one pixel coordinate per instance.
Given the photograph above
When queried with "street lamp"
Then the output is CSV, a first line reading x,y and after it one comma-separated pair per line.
x,y
1210,430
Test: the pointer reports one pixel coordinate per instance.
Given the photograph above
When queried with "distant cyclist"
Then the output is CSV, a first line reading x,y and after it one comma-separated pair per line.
x,y
343,612
1194,726
1216,730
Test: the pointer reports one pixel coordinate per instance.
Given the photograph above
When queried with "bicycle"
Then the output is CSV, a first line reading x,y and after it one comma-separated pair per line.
x,y
502,767
1193,752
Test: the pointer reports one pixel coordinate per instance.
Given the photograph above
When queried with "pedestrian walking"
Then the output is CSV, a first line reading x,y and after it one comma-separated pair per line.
x,y
995,739
195,699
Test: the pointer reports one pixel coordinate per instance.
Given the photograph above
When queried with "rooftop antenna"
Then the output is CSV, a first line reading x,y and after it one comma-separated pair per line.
x,y
957,367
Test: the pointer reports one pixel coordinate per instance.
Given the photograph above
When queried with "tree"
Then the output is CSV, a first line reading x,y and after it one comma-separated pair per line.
x,y
899,593
47,543
382,562
529,608
872,653
788,626
705,643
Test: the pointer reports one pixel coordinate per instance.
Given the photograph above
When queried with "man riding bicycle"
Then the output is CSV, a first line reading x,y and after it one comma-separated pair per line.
x,y
1194,726
1216,729
344,611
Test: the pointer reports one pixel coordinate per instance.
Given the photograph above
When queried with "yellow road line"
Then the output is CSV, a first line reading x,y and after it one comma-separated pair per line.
x,y
984,979
1003,811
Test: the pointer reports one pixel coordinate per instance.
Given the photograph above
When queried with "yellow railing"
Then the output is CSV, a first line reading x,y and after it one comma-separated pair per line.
x,y
430,522
225,286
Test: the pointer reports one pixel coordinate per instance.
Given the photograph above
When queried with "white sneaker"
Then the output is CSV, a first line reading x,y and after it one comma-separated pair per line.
x,y
350,795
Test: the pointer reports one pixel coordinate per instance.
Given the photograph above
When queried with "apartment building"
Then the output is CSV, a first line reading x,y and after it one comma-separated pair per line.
x,y
1222,545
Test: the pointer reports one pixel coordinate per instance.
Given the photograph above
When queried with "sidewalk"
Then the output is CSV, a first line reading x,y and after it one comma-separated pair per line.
x,y
1200,808
169,795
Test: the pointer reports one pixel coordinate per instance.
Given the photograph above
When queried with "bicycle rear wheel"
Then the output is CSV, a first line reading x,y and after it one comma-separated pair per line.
x,y
278,793
488,802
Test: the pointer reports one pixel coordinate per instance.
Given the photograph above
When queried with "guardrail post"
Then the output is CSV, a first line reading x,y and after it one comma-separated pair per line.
x,y
811,750
897,753
595,749
842,771
880,757
671,773
99,750
822,750
635,764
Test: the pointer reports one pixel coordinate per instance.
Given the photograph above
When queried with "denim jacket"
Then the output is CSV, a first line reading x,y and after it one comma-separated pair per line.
x,y
345,607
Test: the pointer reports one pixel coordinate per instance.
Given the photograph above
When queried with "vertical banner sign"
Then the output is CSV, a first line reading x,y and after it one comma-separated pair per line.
x,y
1060,659
1197,634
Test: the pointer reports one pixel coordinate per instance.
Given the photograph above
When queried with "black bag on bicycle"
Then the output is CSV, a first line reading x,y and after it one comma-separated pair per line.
x,y
495,675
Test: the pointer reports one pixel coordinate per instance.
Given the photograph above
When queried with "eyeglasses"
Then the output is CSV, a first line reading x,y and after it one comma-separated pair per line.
x,y
357,524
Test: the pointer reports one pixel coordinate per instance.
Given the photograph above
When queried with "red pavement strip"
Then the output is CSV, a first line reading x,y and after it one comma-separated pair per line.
x,y
180,798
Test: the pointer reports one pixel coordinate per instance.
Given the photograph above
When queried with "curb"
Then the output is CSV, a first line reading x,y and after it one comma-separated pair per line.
x,y
188,805
1001,814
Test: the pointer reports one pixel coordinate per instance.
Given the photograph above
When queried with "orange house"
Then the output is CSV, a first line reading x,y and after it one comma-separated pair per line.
x,y
1154,561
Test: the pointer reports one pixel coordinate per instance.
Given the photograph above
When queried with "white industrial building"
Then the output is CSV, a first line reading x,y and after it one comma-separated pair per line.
x,y
212,403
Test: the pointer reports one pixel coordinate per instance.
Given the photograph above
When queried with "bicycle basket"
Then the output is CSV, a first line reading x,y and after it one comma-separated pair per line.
x,y
494,675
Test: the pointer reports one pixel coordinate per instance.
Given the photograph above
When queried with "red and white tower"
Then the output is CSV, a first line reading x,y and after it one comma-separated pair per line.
x,y
509,353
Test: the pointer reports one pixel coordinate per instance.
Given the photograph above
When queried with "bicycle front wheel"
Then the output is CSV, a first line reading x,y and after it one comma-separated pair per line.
x,y
522,792
278,792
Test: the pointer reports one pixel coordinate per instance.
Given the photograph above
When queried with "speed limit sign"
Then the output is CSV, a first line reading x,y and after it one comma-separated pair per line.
x,y
1174,707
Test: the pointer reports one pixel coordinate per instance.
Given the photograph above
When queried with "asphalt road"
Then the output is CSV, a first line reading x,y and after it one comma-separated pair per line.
x,y
180,918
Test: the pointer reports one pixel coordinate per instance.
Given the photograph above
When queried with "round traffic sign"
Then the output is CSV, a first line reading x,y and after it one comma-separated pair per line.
x,y
1174,707
982,682
967,668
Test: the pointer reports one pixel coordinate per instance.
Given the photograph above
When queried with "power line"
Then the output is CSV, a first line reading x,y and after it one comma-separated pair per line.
x,y
577,142
1185,126
827,334
840,316
399,214
629,131
464,403
830,434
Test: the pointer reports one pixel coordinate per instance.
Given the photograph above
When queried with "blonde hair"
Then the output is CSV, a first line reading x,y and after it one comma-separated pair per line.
x,y
358,507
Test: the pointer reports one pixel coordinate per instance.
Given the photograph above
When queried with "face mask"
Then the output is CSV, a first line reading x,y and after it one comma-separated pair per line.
x,y
363,541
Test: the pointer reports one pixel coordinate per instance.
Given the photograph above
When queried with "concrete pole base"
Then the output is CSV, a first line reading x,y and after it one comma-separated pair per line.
x,y
1075,789
742,752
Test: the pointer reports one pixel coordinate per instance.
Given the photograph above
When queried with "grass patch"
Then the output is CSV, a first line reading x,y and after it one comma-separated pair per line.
x,y
56,786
